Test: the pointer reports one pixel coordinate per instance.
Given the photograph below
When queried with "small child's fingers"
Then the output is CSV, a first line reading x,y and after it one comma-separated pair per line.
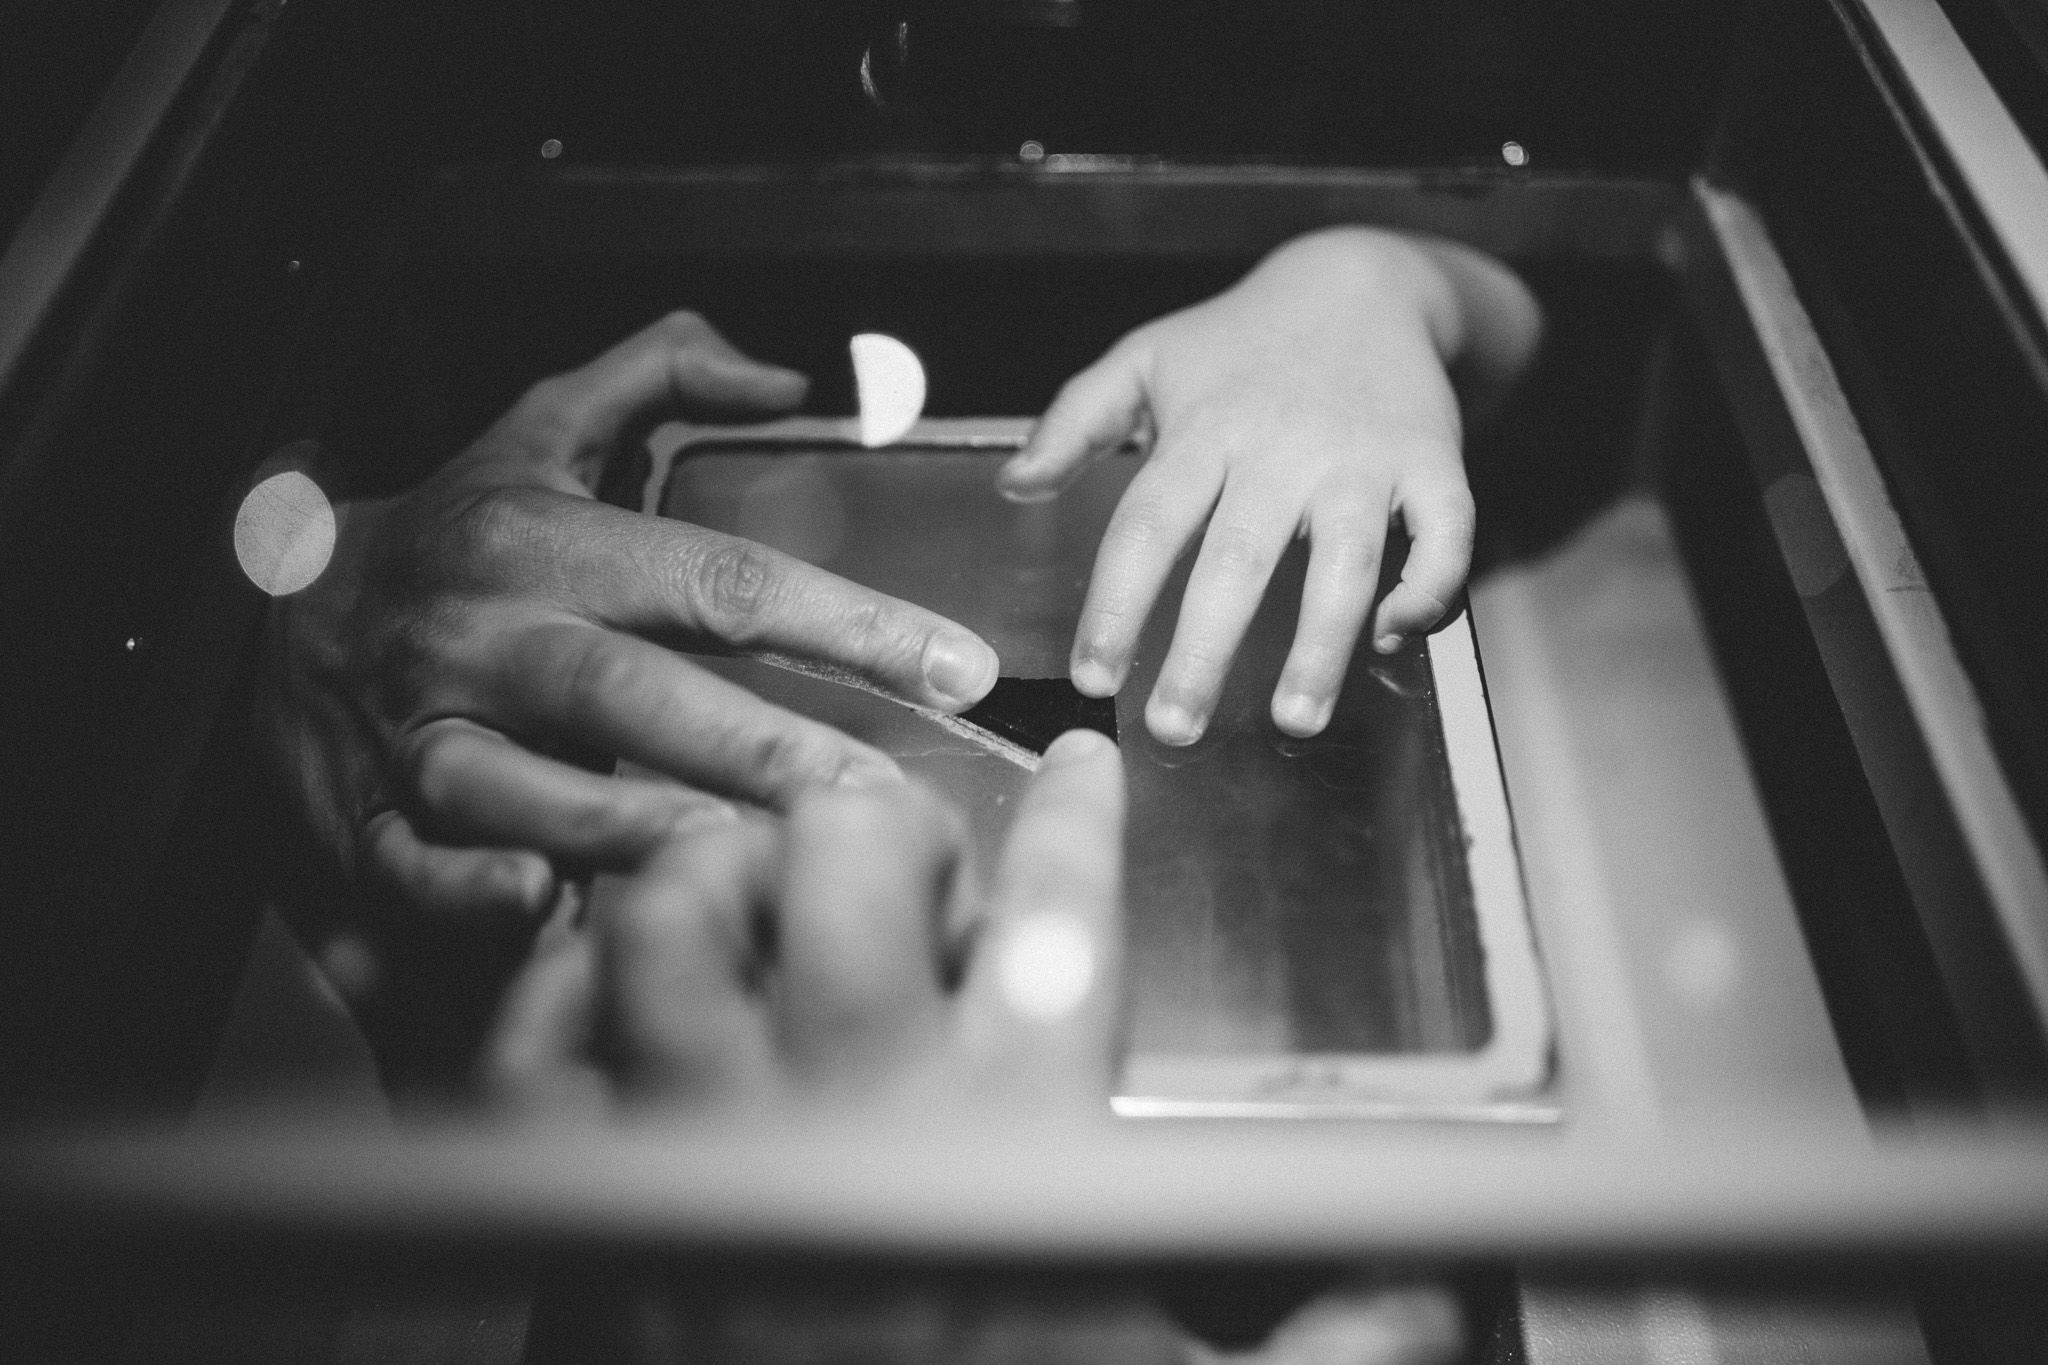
x,y
476,886
1440,520
1159,514
1347,533
1244,540
1095,412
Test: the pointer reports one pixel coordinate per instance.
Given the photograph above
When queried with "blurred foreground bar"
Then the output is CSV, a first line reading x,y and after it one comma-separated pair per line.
x,y
1029,1194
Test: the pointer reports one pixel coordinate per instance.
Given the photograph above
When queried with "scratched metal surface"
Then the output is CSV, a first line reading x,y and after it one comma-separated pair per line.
x,y
1283,895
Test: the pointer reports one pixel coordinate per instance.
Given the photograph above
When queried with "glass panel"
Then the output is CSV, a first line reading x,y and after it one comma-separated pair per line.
x,y
1284,895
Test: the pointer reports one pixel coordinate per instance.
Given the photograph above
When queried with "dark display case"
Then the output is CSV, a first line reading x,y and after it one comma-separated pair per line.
x,y
1756,600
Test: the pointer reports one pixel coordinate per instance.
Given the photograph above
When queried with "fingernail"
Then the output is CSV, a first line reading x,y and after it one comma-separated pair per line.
x,y
1300,714
960,670
1387,644
1093,679
1013,481
1172,724
1075,746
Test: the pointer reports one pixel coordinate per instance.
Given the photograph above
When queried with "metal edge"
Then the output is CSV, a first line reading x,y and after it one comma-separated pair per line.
x,y
1938,691
62,223
1490,1083
1990,153
1517,1056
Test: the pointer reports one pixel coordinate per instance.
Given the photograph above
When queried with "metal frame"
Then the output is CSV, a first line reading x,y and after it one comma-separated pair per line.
x,y
1499,1082
1492,1084
1069,207
1995,163
1916,718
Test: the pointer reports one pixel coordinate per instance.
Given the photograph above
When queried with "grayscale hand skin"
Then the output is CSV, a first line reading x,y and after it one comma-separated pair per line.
x,y
841,963
416,697
840,959
1317,398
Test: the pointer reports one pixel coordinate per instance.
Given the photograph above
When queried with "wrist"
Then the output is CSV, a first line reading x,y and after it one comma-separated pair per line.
x,y
1373,269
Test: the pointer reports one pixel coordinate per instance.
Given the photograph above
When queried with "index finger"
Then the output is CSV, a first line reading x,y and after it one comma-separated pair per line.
x,y
1044,989
705,590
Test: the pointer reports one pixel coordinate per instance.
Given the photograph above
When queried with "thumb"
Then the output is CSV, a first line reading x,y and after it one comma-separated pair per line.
x,y
679,367
1095,412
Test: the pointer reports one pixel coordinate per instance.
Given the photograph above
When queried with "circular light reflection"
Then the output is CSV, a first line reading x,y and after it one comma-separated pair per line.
x,y
1045,965
889,379
284,533
1514,153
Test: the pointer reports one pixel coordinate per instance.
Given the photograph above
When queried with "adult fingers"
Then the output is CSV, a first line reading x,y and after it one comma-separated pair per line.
x,y
1347,532
475,786
1366,1325
1153,522
1440,520
626,697
705,590
864,896
679,365
1246,536
1044,988
483,886
1095,412
535,1061
678,963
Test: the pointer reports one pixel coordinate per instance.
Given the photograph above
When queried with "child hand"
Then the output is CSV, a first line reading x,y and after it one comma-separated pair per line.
x,y
1314,398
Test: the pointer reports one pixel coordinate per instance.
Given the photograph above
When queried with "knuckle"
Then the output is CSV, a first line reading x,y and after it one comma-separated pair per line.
x,y
793,757
597,675
732,584
872,628
1423,605
1455,523
1238,553
494,524
433,757
684,325
1347,552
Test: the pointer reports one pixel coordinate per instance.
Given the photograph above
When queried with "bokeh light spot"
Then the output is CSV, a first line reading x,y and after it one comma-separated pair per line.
x,y
889,379
1045,965
284,533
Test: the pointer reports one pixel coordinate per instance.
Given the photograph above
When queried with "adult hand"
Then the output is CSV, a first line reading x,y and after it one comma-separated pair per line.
x,y
1315,398
843,958
468,637
841,961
